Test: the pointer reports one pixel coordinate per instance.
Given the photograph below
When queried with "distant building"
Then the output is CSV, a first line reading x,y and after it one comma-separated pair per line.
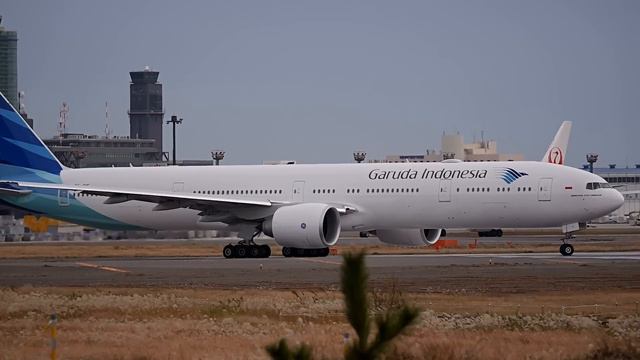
x,y
9,65
145,111
453,147
80,150
623,179
144,145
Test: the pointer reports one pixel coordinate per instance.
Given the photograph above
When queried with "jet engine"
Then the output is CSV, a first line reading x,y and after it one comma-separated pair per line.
x,y
309,226
409,237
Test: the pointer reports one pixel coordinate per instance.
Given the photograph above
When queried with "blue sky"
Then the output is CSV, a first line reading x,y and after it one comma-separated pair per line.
x,y
313,81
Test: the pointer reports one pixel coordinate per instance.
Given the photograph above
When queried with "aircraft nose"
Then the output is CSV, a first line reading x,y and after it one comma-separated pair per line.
x,y
617,201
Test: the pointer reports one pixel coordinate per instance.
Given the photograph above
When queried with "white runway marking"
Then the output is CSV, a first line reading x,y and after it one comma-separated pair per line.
x,y
105,268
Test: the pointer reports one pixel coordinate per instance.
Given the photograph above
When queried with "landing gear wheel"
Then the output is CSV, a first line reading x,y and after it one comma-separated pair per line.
x,y
254,251
265,251
287,251
566,249
499,233
228,251
241,251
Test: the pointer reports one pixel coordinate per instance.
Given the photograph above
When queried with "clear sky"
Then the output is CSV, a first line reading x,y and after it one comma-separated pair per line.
x,y
315,80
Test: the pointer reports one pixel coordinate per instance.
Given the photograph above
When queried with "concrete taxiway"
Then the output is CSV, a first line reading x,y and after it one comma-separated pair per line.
x,y
492,273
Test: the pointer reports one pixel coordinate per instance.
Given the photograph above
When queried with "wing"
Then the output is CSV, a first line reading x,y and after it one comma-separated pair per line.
x,y
215,208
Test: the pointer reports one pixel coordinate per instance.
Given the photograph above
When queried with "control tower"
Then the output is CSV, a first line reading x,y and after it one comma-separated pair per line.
x,y
145,106
9,64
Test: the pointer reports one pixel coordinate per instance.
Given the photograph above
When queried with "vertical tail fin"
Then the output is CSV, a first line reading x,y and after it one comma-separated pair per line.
x,y
21,150
558,148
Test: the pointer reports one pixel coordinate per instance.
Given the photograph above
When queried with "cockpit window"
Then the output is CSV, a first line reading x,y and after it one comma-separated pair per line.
x,y
595,186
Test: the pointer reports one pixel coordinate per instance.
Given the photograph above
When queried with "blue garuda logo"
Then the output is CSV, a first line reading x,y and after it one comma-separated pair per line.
x,y
509,175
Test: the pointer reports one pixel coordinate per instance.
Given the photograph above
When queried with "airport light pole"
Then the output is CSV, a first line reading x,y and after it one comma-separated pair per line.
x,y
174,120
217,155
359,156
591,159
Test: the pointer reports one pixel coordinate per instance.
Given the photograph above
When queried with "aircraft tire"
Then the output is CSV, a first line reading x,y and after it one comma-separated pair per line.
x,y
241,251
228,251
499,233
255,251
265,251
287,251
566,249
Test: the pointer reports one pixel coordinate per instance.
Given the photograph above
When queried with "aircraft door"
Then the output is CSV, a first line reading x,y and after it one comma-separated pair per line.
x,y
544,189
297,193
444,194
63,197
177,187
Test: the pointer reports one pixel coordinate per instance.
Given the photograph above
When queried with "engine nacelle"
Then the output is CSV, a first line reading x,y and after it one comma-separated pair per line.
x,y
309,226
409,237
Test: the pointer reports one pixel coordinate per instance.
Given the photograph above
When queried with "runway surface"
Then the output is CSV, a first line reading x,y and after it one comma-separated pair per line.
x,y
483,273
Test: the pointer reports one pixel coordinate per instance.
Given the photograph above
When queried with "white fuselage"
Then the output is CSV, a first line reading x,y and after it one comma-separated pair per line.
x,y
385,196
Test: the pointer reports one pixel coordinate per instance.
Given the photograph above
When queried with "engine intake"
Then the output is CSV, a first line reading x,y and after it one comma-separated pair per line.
x,y
308,226
409,237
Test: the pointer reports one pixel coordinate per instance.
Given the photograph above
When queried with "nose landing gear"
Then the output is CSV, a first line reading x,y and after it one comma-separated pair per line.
x,y
566,249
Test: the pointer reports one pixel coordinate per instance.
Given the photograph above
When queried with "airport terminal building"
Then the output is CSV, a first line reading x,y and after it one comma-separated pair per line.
x,y
623,179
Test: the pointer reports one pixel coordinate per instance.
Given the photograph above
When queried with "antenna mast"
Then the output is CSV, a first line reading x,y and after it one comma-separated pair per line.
x,y
62,119
107,131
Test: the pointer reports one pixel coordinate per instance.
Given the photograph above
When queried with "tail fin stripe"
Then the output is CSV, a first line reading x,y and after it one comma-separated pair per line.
x,y
10,115
35,149
20,146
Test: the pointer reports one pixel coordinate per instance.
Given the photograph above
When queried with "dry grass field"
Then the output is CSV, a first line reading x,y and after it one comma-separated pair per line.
x,y
135,323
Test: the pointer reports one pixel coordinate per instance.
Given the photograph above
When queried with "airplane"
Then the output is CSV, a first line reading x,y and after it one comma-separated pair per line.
x,y
304,207
555,155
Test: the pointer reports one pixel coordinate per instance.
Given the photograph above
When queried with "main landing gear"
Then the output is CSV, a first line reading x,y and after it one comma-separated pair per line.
x,y
566,249
297,252
247,249
264,251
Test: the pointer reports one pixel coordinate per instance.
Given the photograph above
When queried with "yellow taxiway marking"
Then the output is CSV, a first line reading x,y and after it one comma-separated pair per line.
x,y
320,261
105,268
